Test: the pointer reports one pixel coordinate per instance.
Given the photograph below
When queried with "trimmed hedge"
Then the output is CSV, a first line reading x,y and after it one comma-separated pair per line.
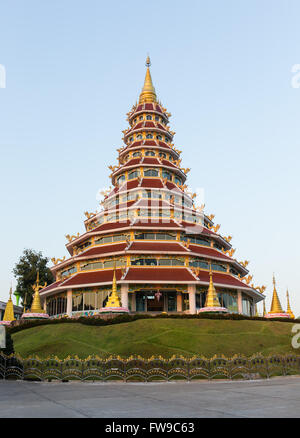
x,y
96,321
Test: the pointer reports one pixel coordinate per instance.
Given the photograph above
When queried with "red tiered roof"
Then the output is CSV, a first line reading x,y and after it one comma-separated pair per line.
x,y
205,251
92,278
154,183
155,274
111,226
100,250
222,280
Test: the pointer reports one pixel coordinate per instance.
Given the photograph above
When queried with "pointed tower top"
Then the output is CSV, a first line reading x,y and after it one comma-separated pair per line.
x,y
275,306
212,299
148,92
264,311
289,310
36,303
9,309
113,300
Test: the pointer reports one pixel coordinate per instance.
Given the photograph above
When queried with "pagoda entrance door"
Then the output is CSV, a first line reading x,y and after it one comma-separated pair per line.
x,y
155,301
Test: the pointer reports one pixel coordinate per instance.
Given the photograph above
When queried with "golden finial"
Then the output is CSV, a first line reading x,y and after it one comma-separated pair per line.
x,y
148,92
275,306
9,309
289,310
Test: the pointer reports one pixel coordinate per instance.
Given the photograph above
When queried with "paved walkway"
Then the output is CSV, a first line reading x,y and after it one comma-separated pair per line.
x,y
278,397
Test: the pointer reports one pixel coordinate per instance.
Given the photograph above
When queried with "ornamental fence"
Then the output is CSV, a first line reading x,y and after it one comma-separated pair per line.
x,y
155,368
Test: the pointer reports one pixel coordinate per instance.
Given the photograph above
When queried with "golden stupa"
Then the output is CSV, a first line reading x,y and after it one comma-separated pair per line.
x,y
276,309
36,310
212,303
289,310
9,311
148,92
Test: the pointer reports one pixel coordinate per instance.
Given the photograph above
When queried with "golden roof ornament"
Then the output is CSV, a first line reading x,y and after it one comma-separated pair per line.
x,y
9,310
148,92
289,310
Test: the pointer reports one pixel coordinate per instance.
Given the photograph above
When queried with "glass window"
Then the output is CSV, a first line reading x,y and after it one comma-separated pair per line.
x,y
139,136
141,117
149,136
149,117
136,154
133,174
151,172
121,179
159,137
172,301
167,175
150,154
140,300
156,118
162,155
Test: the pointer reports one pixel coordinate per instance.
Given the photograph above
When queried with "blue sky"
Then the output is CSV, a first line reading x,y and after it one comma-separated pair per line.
x,y
223,69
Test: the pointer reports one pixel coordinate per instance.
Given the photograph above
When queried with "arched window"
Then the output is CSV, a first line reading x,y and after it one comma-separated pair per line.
x,y
150,154
159,137
178,180
139,137
141,117
167,139
133,174
120,179
149,136
131,138
162,155
157,118
151,172
136,154
167,175
149,117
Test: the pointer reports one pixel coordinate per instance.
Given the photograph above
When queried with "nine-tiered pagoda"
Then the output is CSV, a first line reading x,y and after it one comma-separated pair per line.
x,y
164,251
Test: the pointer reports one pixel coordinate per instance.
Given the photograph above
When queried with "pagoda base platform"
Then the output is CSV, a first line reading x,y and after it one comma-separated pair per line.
x,y
113,310
35,316
213,310
277,315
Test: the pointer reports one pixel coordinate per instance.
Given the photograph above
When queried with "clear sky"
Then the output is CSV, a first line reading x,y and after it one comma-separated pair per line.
x,y
223,69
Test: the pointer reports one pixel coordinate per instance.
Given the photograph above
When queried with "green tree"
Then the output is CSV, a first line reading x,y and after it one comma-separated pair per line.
x,y
25,272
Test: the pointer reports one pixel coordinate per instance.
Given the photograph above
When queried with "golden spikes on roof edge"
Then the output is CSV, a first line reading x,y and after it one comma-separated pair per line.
x,y
275,306
148,92
9,309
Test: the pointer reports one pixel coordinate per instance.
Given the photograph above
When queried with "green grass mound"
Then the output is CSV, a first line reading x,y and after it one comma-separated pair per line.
x,y
165,337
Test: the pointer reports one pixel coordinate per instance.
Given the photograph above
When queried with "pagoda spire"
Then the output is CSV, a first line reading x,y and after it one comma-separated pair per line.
x,y
275,306
36,303
289,310
113,300
212,299
148,92
9,310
